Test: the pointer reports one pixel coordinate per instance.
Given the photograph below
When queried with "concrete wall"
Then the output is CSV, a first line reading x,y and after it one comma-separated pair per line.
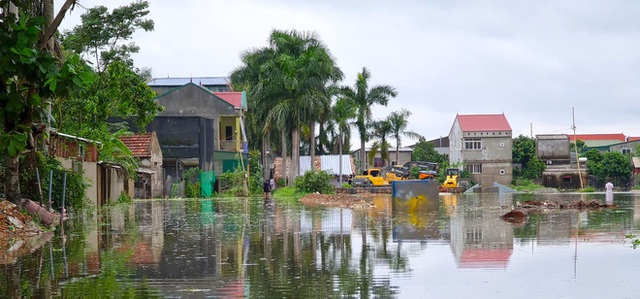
x,y
627,146
553,147
91,176
455,143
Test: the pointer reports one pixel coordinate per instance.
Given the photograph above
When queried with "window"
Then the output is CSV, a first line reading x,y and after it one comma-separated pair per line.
x,y
228,133
474,168
626,151
473,144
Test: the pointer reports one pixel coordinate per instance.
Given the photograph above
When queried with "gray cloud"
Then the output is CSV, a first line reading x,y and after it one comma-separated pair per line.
x,y
533,61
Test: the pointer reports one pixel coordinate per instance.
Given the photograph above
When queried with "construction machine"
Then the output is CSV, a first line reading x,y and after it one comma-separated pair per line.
x,y
452,183
369,177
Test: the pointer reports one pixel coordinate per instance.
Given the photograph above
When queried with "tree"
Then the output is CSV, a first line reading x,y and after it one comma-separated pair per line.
x,y
608,165
365,97
343,112
119,91
380,129
524,153
425,151
399,121
102,35
30,74
289,77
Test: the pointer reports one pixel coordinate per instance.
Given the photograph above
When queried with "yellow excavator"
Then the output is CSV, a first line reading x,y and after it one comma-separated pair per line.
x,y
452,182
386,175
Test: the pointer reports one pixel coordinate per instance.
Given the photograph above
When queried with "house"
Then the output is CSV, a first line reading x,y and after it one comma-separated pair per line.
x,y
106,181
404,156
562,170
483,143
625,147
198,128
146,149
214,84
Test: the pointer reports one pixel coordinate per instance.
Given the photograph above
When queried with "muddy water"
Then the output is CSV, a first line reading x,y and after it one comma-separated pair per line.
x,y
453,247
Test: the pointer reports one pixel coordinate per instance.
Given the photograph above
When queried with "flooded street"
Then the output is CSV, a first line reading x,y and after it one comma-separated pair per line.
x,y
454,247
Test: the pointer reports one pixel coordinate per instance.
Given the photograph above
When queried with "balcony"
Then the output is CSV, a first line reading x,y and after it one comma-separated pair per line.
x,y
229,145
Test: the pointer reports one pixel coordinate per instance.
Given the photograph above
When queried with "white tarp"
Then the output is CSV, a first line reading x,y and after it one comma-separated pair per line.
x,y
328,163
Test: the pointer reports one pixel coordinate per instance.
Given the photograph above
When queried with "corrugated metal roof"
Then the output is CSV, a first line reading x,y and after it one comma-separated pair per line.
x,y
598,137
179,81
629,139
483,122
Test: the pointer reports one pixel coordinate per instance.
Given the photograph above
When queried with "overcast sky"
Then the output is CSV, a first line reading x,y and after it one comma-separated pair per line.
x,y
531,60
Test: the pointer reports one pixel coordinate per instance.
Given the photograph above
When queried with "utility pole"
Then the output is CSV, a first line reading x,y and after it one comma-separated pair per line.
x,y
575,147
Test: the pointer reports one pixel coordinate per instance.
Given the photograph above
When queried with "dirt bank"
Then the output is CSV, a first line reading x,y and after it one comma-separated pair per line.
x,y
19,234
337,200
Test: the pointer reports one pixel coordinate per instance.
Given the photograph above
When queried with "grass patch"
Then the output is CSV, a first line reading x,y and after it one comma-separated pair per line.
x,y
588,190
287,194
525,185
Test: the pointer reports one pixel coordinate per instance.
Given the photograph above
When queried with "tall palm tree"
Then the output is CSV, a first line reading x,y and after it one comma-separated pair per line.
x,y
290,76
343,112
399,121
380,129
365,97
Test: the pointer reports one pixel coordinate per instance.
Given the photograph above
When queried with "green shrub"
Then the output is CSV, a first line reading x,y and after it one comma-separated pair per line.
x,y
191,183
315,181
588,189
75,190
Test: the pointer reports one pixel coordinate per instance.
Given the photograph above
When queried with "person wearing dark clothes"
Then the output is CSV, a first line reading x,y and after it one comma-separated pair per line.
x,y
266,187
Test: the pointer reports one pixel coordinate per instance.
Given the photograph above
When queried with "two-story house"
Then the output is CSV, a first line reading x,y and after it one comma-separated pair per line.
x,y
483,144
200,128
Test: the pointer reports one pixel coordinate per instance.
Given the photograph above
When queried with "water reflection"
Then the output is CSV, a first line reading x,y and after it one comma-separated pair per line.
x,y
244,248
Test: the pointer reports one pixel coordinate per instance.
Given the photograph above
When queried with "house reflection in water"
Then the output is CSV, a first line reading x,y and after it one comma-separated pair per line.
x,y
479,237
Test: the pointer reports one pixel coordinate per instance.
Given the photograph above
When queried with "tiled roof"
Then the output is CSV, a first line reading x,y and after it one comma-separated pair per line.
x,y
139,144
179,81
593,137
483,122
232,97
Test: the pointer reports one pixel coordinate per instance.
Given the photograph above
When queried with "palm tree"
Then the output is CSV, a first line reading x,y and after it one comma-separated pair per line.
x,y
343,112
380,129
399,121
365,97
290,76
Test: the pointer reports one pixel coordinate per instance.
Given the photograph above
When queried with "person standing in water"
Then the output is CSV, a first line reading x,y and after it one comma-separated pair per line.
x,y
608,195
266,187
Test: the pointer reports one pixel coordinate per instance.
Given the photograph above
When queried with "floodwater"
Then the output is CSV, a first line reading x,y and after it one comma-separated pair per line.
x,y
454,247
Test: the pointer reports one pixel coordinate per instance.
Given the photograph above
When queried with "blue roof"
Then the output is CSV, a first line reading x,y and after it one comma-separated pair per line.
x,y
179,81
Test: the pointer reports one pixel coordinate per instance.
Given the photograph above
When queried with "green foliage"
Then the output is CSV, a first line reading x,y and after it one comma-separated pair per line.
x,y
635,241
103,34
29,77
256,173
191,183
235,181
75,192
315,181
581,146
525,185
424,151
608,165
524,152
588,189
124,198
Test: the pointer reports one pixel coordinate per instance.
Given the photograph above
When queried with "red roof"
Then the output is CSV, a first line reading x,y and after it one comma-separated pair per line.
x,y
633,138
232,97
485,258
592,137
483,122
139,144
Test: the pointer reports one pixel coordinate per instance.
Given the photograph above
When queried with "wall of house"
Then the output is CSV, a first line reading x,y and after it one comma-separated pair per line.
x,y
495,156
624,147
91,177
455,143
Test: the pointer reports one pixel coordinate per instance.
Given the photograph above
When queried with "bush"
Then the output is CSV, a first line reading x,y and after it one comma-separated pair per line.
x,y
315,181
191,183
75,190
